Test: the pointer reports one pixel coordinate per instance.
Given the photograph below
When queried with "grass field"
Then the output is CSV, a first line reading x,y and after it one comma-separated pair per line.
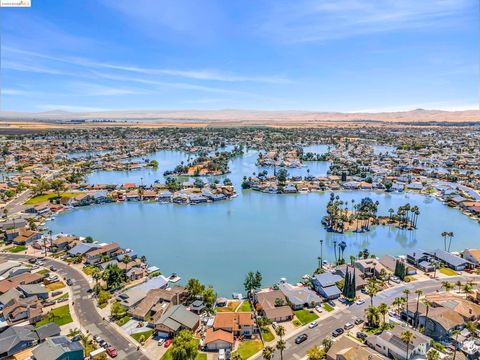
x,y
43,271
306,316
328,307
249,348
123,320
60,316
46,197
16,249
245,307
55,286
267,335
448,272
146,334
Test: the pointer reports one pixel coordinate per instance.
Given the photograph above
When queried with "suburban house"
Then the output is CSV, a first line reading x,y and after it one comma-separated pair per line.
x,y
34,290
218,339
390,344
22,279
237,323
63,242
174,319
299,297
16,339
82,248
390,262
472,255
22,236
452,261
133,295
273,305
10,295
345,348
148,306
371,267
22,309
420,259
58,348
359,280
6,266
94,256
326,285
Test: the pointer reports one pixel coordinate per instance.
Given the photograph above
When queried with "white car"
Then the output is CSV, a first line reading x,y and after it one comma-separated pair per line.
x,y
319,308
313,324
360,302
161,342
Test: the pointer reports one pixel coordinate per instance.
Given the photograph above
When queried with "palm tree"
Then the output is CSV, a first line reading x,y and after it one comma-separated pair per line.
x,y
444,235
407,337
427,304
470,326
236,356
372,314
450,235
383,309
448,286
406,292
467,288
316,353
433,354
268,352
85,340
327,343
280,331
372,290
418,292
96,275
399,301
455,332
281,345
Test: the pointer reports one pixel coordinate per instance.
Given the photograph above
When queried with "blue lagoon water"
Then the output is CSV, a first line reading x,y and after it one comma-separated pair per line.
x,y
278,235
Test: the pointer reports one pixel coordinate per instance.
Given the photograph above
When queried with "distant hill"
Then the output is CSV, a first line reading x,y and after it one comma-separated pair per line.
x,y
246,117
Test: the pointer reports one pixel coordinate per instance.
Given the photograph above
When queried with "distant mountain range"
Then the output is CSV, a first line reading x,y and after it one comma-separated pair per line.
x,y
245,117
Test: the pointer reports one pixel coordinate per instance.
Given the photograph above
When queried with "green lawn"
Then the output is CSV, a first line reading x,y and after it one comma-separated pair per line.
x,y
43,271
306,316
61,316
249,348
16,249
245,307
46,197
55,286
123,320
267,334
63,296
231,306
146,334
328,307
88,270
448,272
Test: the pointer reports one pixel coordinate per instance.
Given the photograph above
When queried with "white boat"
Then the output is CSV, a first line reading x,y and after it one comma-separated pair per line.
x,y
174,278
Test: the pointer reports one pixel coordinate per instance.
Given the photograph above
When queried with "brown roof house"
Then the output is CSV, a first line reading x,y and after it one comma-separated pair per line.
x,y
274,305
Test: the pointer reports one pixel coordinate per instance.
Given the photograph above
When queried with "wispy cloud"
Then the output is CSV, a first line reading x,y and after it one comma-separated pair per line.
x,y
64,107
87,89
16,92
310,20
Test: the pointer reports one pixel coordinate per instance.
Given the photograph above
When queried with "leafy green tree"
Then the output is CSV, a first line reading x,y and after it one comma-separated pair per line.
x,y
195,287
316,353
113,276
103,297
117,310
185,346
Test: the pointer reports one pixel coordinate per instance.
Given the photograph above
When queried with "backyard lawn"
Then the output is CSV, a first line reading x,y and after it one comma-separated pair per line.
x,y
59,316
146,334
267,334
306,316
46,197
16,249
231,306
245,307
249,348
448,272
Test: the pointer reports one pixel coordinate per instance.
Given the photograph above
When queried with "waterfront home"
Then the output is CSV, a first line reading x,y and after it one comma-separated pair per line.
x,y
148,306
83,199
345,347
273,305
359,277
390,262
326,285
133,295
452,261
196,199
21,236
390,344
63,242
290,188
299,297
237,323
421,259
472,255
94,256
82,248
218,339
370,267
165,196
180,198
174,319
197,307
39,209
58,348
468,310
132,195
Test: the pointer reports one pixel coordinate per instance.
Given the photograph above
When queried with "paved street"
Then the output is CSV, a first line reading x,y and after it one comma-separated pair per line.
x,y
339,319
86,311
16,205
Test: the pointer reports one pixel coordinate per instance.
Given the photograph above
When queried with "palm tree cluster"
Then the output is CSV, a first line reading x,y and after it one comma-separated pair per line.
x,y
407,216
449,235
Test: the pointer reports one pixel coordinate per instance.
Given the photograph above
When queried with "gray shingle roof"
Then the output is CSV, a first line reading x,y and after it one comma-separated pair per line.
x,y
178,316
15,335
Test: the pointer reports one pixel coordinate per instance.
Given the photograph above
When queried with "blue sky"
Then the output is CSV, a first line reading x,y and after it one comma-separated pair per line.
x,y
323,55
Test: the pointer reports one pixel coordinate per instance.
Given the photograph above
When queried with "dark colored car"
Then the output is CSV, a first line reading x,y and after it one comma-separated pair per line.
x,y
361,335
53,268
69,282
337,332
32,260
358,321
301,338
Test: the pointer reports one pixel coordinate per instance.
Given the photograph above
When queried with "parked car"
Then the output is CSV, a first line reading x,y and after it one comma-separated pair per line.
x,y
319,308
32,260
274,325
360,302
56,293
331,303
161,342
62,300
103,344
395,279
221,354
301,338
111,351
53,268
337,332
361,335
363,291
69,282
49,303
167,343
228,354
358,321
77,337
313,324
348,326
